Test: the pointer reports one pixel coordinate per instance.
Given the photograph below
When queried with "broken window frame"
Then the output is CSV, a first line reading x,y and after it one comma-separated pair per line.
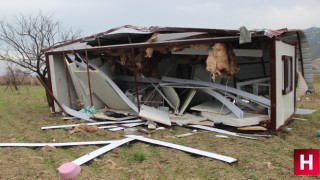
x,y
287,74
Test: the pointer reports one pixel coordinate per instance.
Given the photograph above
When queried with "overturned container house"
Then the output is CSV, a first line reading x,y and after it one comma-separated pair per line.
x,y
234,77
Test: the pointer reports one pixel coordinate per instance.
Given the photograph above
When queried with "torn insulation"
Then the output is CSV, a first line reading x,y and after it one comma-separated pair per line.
x,y
221,61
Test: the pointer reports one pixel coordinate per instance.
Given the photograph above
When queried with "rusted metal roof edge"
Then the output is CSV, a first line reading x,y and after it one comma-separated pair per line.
x,y
151,29
158,44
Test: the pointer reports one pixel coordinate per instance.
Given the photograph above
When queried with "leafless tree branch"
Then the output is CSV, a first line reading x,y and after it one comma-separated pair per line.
x,y
23,39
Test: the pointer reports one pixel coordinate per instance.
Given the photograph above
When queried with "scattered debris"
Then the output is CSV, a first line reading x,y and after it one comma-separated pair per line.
x,y
77,114
269,165
286,129
212,107
248,119
154,114
140,83
123,126
222,136
252,128
160,128
187,119
129,131
194,131
184,135
68,118
117,127
84,128
89,110
90,124
186,82
256,135
221,131
112,116
151,124
204,123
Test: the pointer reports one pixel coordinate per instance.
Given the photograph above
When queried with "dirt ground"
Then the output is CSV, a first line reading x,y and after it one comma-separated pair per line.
x,y
23,115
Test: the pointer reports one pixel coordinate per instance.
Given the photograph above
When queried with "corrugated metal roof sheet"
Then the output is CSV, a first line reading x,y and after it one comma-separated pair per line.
x,y
306,56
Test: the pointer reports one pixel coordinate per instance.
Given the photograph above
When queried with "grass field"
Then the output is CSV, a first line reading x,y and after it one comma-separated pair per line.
x,y
23,114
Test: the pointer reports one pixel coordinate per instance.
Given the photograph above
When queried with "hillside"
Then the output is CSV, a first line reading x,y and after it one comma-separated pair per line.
x,y
313,35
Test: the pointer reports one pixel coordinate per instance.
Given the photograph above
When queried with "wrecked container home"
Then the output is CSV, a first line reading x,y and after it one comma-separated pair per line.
x,y
234,77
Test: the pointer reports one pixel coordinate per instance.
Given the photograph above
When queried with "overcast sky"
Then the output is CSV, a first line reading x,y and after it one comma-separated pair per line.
x,y
94,16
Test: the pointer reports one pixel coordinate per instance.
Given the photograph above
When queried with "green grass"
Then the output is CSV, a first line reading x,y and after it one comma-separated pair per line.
x,y
22,115
138,156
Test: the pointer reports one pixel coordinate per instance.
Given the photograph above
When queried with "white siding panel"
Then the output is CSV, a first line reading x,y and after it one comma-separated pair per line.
x,y
285,103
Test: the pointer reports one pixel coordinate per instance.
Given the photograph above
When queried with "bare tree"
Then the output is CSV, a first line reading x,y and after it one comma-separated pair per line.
x,y
15,77
23,39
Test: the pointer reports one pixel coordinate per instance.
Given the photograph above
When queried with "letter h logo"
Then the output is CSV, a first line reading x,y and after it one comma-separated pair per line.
x,y
306,162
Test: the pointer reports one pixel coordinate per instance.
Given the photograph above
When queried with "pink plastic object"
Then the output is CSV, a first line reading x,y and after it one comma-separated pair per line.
x,y
69,170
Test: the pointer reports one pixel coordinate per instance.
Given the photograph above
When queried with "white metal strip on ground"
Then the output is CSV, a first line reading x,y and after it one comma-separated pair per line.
x,y
55,144
128,125
186,82
215,130
90,124
220,131
100,151
107,127
185,148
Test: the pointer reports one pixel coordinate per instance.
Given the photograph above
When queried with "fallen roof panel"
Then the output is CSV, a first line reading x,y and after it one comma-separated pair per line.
x,y
116,88
211,106
248,119
104,90
154,114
